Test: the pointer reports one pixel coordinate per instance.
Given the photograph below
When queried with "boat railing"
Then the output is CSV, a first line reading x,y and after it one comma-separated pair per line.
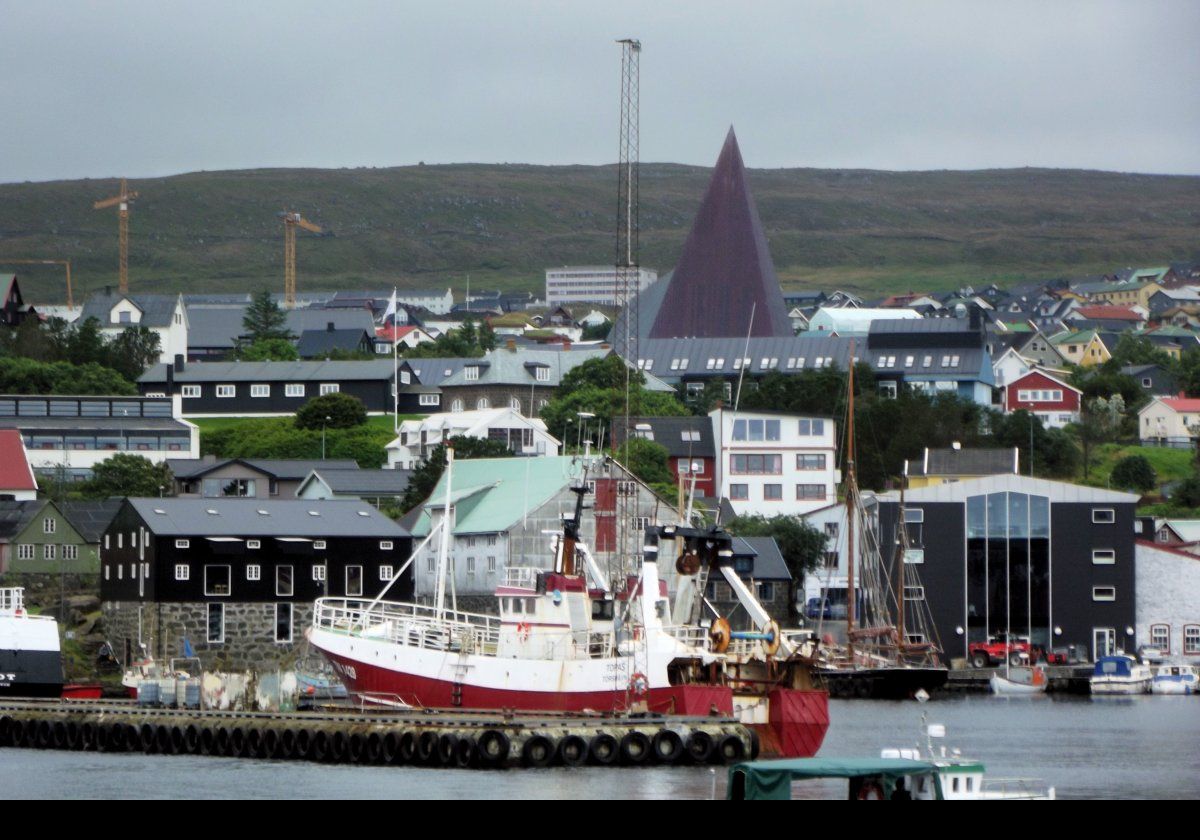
x,y
416,625
689,634
1015,788
579,644
521,577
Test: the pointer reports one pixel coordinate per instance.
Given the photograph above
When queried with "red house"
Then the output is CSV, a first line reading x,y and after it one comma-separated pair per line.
x,y
1054,402
689,445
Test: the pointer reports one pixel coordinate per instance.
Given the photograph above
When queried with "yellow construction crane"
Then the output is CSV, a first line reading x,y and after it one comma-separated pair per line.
x,y
122,202
291,221
67,263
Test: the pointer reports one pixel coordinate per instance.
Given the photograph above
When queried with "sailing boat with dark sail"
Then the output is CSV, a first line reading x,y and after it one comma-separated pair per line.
x,y
889,651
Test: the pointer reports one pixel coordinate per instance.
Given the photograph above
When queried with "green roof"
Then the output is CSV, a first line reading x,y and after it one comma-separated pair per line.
x,y
1017,326
490,494
773,779
1082,337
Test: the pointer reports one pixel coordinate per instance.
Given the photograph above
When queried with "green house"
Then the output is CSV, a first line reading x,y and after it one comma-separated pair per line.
x,y
45,537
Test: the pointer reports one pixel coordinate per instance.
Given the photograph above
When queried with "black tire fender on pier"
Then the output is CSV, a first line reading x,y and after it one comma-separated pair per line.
x,y
208,741
237,743
354,748
162,740
221,742
145,739
603,749
338,746
288,747
494,747
58,735
254,743
635,748
668,746
731,749
407,752
373,749
5,730
427,747
318,746
272,744
390,751
700,746
45,735
466,754
572,751
191,739
537,751
87,735
447,749
755,745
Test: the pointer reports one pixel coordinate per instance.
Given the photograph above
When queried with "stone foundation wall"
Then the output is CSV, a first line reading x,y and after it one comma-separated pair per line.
x,y
249,633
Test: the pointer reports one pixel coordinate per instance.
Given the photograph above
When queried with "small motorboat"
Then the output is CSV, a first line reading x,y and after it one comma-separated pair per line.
x,y
1020,681
1175,679
1120,674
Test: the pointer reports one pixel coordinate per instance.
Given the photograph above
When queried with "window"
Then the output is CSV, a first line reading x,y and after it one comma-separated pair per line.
x,y
354,580
543,374
254,572
293,389
831,559
1103,557
1160,637
225,391
1103,516
806,492
252,544
318,545
1104,593
756,464
330,388
812,428
810,462
216,581
491,564
189,392
471,373
456,405
260,390
284,586
48,525
318,573
216,624
26,552
739,492
182,571
283,623
766,592
470,565
70,552
429,399
385,572
773,492
914,593
182,544
1191,639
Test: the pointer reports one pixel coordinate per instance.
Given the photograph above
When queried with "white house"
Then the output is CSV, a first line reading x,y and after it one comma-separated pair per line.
x,y
1009,366
1167,583
831,577
165,315
594,319
771,463
437,302
417,438
855,321
1172,420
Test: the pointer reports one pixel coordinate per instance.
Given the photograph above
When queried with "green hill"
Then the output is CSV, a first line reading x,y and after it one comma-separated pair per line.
x,y
428,226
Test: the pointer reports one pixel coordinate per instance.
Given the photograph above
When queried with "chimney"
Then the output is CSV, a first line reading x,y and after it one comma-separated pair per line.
x,y
329,326
512,345
179,363
108,291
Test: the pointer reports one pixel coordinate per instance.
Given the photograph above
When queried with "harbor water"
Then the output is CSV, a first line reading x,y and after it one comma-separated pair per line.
x,y
1127,748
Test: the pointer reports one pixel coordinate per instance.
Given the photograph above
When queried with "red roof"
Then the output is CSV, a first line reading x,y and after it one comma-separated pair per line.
x,y
1109,313
1042,374
390,333
1182,403
15,473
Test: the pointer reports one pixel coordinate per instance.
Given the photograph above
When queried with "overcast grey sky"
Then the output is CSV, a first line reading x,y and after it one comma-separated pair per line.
x,y
152,88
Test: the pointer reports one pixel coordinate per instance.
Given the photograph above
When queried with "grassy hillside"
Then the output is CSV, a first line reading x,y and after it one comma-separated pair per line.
x,y
425,226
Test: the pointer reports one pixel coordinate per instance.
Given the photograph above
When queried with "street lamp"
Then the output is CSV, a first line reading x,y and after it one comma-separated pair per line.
x,y
583,416
323,422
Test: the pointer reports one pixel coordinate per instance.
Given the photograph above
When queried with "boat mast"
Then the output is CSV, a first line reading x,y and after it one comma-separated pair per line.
x,y
851,509
901,570
447,531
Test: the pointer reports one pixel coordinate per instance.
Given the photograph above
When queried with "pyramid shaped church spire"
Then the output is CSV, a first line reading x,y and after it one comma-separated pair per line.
x,y
725,271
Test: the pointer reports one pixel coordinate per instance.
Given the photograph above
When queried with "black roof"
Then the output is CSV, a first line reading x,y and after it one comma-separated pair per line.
x,y
964,462
283,469
14,516
669,433
92,518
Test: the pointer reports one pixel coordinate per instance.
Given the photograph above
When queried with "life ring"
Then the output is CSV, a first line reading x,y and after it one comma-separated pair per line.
x,y
870,791
639,685
523,631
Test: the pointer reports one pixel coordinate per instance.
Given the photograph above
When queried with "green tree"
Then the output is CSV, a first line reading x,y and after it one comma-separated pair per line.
x,y
85,343
648,460
1134,473
1187,493
331,411
128,475
1099,422
269,350
802,546
264,319
134,350
1054,451
487,337
425,477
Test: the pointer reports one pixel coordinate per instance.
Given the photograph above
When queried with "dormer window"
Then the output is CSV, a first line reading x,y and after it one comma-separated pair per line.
x,y
471,373
542,374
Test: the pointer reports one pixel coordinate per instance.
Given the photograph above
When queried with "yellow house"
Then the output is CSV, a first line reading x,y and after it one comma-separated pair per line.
x,y
1082,348
943,466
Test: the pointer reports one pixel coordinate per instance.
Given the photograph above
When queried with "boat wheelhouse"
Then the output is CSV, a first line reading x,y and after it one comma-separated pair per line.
x,y
1120,674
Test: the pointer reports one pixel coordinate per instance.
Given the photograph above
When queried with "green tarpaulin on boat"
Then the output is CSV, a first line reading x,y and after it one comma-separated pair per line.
x,y
773,779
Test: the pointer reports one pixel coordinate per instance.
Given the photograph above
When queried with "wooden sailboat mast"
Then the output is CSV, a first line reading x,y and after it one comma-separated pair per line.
x,y
851,508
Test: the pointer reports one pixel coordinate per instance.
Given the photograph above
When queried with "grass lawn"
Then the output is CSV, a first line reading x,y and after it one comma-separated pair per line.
x,y
214,424
1169,464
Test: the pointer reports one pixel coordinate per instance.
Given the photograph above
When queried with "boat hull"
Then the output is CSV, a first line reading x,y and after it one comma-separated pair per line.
x,y
1119,687
1006,687
1173,685
30,673
883,683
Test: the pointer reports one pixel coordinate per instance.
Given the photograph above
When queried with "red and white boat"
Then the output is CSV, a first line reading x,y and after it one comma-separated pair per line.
x,y
564,642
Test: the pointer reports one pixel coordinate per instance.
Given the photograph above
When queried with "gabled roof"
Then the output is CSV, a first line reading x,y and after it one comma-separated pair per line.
x,y
314,343
1188,530
91,518
157,310
725,258
1057,491
768,559
1108,313
264,518
1180,404
517,367
492,494
15,472
668,432
1044,375
963,462
15,516
283,469
358,482
455,423
375,369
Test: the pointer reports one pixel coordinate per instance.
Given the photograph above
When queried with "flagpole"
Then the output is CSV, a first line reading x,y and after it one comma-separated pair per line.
x,y
395,369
